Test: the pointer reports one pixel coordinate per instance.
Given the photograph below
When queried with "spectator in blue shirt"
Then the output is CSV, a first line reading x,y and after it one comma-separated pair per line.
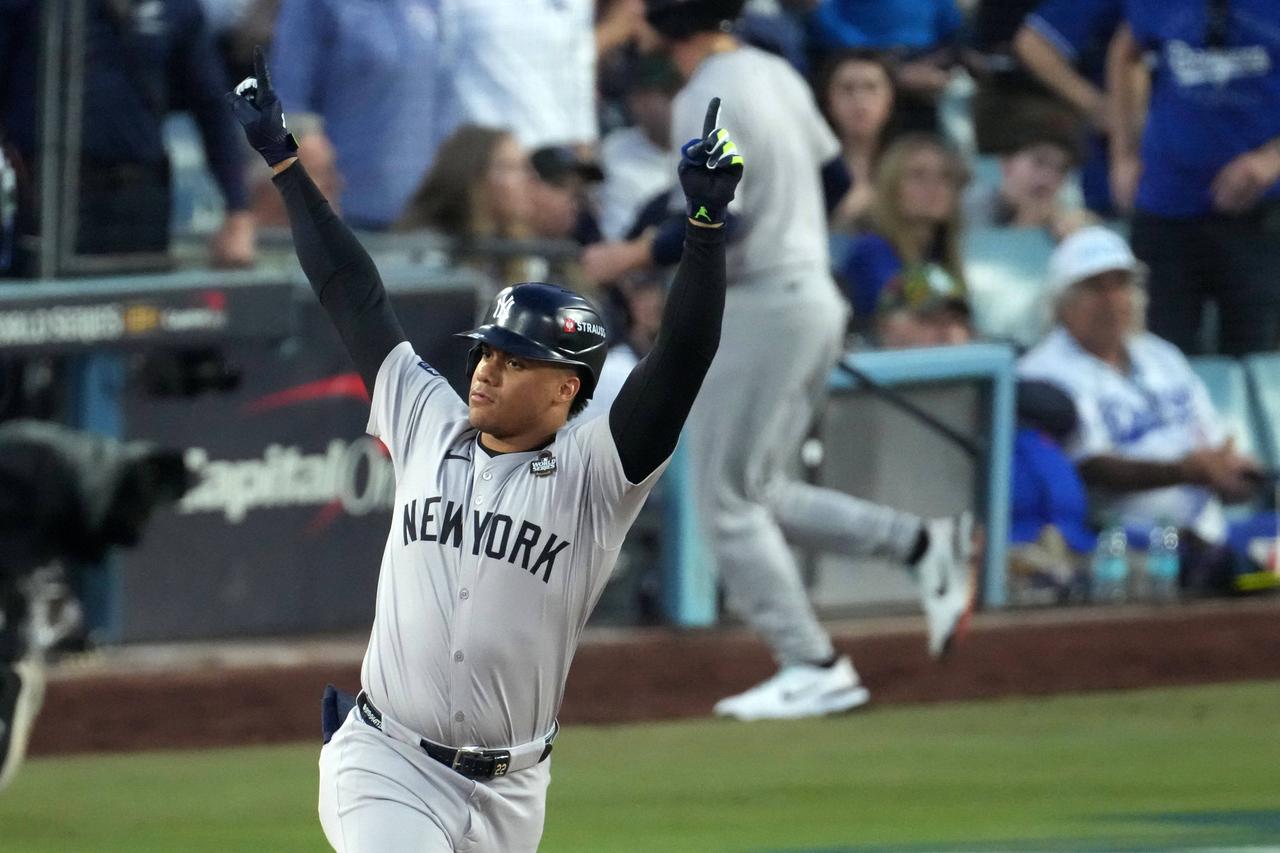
x,y
1064,44
1205,183
365,75
142,59
923,34
919,25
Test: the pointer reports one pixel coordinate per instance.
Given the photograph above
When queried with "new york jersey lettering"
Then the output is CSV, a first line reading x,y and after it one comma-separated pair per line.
x,y
498,536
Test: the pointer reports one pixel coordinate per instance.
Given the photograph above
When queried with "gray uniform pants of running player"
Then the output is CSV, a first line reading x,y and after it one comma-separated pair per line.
x,y
777,349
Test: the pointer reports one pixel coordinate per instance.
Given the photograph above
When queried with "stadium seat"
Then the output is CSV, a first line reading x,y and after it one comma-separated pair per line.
x,y
1228,387
984,170
1263,372
1005,271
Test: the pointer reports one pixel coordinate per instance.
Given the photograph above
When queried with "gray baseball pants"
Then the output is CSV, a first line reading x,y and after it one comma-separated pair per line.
x,y
757,404
378,795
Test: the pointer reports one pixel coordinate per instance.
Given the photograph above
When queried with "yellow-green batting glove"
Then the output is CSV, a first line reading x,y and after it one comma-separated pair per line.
x,y
710,169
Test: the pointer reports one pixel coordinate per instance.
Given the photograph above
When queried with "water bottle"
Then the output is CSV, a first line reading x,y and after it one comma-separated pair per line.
x,y
1163,562
1111,565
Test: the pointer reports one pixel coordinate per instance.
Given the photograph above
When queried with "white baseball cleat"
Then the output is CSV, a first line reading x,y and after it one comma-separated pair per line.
x,y
21,695
799,690
945,573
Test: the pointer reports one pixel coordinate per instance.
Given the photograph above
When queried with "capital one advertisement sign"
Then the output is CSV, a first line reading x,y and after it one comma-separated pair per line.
x,y
351,477
284,530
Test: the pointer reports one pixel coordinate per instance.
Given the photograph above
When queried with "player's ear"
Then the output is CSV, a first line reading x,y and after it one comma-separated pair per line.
x,y
569,387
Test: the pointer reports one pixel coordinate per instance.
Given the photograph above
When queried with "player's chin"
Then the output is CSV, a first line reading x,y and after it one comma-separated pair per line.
x,y
483,417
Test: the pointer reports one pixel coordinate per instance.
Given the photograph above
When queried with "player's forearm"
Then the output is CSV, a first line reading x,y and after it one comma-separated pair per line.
x,y
341,272
650,410
695,304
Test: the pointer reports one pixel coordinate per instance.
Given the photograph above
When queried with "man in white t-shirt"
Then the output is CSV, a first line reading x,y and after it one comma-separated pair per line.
x,y
1149,445
528,67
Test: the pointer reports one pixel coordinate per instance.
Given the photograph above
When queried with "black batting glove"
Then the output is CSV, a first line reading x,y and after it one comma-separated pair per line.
x,y
710,169
258,110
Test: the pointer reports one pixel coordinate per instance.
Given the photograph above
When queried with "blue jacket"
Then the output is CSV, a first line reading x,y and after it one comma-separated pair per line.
x,y
1047,489
137,68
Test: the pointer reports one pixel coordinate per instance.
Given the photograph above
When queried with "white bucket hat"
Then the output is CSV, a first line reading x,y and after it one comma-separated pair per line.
x,y
1088,252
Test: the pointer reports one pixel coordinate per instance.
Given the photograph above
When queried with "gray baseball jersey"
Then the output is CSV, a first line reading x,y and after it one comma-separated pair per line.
x,y
776,123
492,564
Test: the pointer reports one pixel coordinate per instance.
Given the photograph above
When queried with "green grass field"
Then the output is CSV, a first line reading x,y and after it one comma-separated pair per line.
x,y
1160,769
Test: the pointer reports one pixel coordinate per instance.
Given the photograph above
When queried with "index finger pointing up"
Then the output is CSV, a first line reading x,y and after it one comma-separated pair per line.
x,y
713,114
260,69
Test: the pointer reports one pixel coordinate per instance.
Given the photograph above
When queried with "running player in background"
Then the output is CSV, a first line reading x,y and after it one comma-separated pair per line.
x,y
783,332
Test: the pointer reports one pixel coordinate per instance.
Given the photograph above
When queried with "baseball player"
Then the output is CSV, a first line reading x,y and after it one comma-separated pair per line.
x,y
507,519
783,331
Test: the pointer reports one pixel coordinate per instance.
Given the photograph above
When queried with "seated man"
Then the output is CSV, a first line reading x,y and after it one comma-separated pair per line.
x,y
1149,445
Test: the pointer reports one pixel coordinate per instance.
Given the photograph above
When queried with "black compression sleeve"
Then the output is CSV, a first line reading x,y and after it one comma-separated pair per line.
x,y
341,273
650,410
668,241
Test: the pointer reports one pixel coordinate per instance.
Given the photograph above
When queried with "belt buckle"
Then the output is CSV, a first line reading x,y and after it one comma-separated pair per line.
x,y
477,763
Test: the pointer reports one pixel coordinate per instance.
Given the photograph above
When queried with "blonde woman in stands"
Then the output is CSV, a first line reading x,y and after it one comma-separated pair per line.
x,y
904,275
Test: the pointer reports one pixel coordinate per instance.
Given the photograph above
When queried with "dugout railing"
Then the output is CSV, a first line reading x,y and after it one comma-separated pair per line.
x,y
307,556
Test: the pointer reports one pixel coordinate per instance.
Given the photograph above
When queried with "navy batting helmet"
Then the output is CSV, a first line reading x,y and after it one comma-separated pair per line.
x,y
545,323
678,19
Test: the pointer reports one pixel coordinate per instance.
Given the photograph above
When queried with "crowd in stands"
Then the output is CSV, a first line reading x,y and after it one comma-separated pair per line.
x,y
1134,144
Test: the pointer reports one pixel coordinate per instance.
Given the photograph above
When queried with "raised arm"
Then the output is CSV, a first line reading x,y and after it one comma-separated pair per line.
x,y
651,408
340,271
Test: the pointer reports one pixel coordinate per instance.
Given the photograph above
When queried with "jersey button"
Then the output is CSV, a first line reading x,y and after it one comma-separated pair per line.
x,y
487,475
464,594
458,656
459,717
479,500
